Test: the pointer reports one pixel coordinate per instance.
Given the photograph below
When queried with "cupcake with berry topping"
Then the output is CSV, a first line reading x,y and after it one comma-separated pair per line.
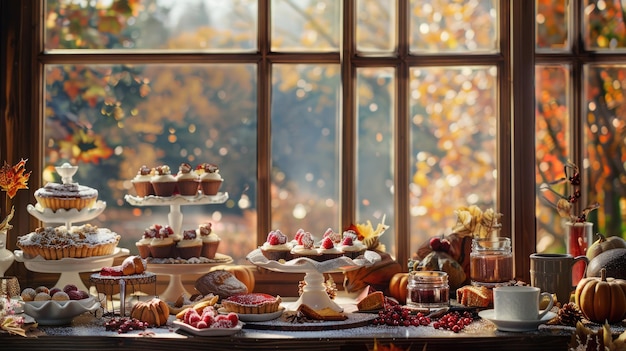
x,y
163,181
296,242
187,179
350,245
328,250
143,245
306,248
210,178
276,246
334,236
142,182
190,245
162,246
210,240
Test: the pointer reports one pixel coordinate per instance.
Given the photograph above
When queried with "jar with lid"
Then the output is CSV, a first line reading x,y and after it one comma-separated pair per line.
x,y
491,262
428,289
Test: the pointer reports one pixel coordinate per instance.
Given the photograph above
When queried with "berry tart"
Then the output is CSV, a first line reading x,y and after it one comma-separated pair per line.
x,y
252,303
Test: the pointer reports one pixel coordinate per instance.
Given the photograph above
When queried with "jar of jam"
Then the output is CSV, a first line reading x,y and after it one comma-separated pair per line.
x,y
428,289
491,262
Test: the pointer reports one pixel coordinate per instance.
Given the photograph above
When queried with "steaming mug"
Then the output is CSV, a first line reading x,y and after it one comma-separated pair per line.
x,y
553,273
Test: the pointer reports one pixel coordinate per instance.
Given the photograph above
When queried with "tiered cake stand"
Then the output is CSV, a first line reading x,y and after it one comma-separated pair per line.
x,y
175,286
68,267
314,293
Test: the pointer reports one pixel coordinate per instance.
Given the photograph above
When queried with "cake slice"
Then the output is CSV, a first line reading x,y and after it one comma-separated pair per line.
x,y
373,301
474,296
324,314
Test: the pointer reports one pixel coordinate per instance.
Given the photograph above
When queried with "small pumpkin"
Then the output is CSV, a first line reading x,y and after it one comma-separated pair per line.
x,y
602,299
154,312
243,273
604,244
398,287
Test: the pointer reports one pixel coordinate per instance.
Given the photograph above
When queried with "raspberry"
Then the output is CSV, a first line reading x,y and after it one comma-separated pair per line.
x,y
327,243
233,318
347,241
273,240
202,324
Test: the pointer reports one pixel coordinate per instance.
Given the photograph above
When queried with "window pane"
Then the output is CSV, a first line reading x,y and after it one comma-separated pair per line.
x,y
552,25
604,25
453,145
375,158
376,26
305,148
196,25
605,137
111,119
552,145
306,25
454,26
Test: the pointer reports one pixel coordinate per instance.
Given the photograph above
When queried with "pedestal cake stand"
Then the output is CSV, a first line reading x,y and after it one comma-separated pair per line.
x,y
314,293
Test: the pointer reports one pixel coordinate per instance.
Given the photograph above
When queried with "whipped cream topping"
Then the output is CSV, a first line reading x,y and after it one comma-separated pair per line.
x,y
69,190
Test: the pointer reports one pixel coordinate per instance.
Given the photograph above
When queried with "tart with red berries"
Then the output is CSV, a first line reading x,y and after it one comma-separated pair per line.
x,y
252,303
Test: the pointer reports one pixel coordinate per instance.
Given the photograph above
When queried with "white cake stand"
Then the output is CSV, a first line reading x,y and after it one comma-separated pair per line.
x,y
175,287
175,216
69,267
314,293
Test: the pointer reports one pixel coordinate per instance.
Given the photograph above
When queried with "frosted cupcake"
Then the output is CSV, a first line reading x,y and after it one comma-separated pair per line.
x,y
162,246
210,240
163,181
188,180
210,178
306,248
143,245
296,242
141,182
276,246
327,250
350,245
190,245
335,237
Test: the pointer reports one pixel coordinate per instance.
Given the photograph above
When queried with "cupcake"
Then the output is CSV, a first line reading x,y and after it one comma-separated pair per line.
x,y
327,250
350,245
306,248
187,180
162,246
163,181
143,245
210,240
141,182
190,245
276,246
210,178
296,242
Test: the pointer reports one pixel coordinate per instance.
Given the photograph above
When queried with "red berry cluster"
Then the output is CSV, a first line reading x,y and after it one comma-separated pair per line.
x,y
454,321
438,244
399,316
124,325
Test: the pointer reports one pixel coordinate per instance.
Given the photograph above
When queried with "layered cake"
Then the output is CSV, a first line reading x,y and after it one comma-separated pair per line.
x,y
328,250
163,181
188,180
142,182
252,303
66,196
210,178
350,245
77,242
306,247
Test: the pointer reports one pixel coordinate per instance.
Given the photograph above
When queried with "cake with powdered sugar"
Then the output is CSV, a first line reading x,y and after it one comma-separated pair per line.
x,y
54,243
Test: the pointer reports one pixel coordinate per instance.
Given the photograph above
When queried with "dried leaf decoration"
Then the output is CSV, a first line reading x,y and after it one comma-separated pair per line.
x,y
370,235
12,178
472,221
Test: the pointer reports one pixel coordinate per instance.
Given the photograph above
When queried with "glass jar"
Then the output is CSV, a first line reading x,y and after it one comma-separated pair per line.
x,y
491,262
428,289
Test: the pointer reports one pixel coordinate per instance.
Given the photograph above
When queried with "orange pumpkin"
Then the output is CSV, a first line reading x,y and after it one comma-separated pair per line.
x,y
243,273
602,299
398,287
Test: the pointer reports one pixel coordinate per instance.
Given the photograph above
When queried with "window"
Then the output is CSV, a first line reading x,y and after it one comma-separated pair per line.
x,y
580,90
318,112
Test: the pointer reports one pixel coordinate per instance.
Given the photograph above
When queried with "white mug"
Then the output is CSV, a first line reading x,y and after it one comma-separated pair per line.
x,y
519,303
